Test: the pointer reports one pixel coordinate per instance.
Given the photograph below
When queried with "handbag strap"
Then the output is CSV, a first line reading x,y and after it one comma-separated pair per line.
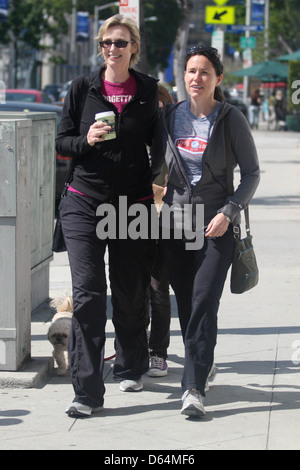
x,y
229,170
68,179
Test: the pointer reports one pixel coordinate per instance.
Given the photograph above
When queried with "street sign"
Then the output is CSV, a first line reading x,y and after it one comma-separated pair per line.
x,y
220,2
241,28
248,43
130,8
216,15
217,41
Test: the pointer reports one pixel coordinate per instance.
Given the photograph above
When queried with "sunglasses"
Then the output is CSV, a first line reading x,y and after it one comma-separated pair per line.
x,y
196,49
120,43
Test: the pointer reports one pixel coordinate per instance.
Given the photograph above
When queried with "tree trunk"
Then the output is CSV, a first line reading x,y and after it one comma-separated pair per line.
x,y
181,45
16,63
285,44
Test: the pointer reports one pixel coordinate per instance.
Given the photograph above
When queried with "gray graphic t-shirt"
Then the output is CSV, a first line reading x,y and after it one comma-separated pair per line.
x,y
191,135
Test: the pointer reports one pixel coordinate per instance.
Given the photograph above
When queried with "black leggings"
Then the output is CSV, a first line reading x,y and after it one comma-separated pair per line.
x,y
130,264
197,278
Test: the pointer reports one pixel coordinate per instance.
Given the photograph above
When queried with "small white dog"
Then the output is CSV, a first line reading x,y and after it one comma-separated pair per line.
x,y
59,331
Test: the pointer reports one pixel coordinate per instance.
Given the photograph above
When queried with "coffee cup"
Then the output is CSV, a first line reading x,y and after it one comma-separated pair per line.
x,y
109,118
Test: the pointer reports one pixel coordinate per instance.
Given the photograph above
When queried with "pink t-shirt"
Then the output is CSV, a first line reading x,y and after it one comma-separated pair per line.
x,y
119,94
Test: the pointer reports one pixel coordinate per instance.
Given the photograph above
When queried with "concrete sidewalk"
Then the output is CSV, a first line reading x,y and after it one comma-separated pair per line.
x,y
254,401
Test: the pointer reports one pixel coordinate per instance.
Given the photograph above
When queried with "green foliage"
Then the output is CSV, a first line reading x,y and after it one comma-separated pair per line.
x,y
30,20
240,18
284,22
160,33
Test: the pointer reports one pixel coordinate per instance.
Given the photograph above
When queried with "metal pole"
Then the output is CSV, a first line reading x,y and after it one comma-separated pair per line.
x,y
247,35
95,28
267,21
248,16
73,37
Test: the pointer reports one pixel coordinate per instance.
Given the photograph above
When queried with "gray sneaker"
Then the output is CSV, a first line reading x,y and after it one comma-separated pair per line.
x,y
158,367
79,410
192,404
131,385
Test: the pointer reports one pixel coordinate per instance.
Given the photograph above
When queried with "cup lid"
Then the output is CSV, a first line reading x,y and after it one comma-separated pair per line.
x,y
105,114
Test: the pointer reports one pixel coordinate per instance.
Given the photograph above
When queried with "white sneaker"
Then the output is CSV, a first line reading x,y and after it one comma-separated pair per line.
x,y
77,409
131,386
211,376
158,367
192,404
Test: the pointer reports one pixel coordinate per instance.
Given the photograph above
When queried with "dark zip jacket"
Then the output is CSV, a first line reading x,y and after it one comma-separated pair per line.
x,y
211,190
120,166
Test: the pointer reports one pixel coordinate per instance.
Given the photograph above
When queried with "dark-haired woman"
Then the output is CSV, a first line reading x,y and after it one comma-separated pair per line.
x,y
194,147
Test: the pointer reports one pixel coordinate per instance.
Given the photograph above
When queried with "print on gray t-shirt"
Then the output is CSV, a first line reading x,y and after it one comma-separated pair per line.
x,y
191,135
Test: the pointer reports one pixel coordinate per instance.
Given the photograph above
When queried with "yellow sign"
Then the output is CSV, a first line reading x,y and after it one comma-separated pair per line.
x,y
220,2
216,15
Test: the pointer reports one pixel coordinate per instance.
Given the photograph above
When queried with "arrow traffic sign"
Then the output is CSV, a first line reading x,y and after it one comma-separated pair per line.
x,y
215,15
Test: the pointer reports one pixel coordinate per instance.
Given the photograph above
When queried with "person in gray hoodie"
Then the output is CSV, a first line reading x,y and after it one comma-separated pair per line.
x,y
193,142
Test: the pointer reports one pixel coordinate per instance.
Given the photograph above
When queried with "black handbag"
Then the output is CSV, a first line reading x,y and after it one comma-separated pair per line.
x,y
244,269
58,244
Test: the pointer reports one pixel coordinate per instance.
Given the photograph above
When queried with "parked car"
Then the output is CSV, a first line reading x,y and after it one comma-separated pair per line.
x,y
53,90
64,91
30,96
62,163
235,101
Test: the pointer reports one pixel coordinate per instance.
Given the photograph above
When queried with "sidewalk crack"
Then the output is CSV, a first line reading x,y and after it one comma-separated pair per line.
x,y
272,391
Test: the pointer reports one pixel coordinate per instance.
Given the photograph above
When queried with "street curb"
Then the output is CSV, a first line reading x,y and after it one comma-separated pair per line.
x,y
31,375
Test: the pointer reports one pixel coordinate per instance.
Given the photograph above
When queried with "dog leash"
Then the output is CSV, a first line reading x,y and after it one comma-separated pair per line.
x,y
109,358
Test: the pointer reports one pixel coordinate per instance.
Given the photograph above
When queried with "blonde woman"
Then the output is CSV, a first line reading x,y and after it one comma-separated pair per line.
x,y
105,170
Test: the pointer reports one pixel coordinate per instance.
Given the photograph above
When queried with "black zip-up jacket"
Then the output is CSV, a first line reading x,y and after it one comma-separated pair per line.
x,y
116,167
211,190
